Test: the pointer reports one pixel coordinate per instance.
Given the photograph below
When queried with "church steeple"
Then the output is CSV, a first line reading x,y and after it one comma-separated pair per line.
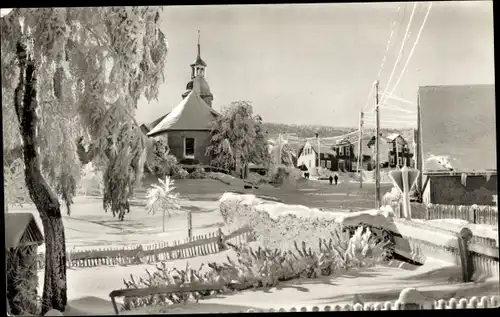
x,y
198,67
198,82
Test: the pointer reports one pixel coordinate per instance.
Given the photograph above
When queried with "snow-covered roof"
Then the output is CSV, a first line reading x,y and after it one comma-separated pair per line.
x,y
458,122
192,113
393,136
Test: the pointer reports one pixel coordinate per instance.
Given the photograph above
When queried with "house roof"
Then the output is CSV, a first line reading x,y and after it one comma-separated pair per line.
x,y
21,229
393,136
192,113
458,122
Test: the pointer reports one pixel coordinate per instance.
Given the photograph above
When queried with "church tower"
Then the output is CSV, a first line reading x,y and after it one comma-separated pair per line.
x,y
198,82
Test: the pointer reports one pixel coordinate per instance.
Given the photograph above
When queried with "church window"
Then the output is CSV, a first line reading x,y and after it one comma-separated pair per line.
x,y
189,147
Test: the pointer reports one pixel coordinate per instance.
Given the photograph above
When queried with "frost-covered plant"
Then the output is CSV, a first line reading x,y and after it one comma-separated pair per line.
x,y
22,281
392,198
198,173
91,181
162,198
14,184
262,267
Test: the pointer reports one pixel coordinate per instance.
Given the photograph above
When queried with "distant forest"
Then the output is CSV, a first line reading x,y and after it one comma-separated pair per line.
x,y
307,131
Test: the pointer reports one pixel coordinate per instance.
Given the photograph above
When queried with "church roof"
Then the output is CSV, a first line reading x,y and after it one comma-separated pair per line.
x,y
199,62
192,113
200,85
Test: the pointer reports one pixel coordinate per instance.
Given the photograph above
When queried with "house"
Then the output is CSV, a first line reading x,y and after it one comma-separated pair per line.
x,y
368,150
399,151
456,144
394,150
308,155
187,127
345,156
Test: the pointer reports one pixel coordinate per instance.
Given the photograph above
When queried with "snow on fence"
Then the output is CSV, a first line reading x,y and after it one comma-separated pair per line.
x,y
440,243
197,246
476,239
487,215
453,303
409,299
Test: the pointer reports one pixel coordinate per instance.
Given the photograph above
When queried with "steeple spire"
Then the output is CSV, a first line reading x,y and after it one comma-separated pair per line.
x,y
199,49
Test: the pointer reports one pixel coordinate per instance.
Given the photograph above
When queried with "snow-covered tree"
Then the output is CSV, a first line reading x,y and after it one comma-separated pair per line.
x,y
236,138
68,73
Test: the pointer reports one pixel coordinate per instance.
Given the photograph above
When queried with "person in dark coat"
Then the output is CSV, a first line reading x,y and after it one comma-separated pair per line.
x,y
336,179
330,179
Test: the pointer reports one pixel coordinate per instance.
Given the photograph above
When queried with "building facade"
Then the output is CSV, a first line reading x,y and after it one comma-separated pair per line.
x,y
308,156
187,127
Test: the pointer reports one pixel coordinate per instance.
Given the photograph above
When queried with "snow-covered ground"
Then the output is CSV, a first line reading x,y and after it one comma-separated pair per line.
x,y
89,227
435,280
89,288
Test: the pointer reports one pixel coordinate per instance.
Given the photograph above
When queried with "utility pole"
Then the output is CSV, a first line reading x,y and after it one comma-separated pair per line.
x,y
360,154
319,153
279,150
377,148
418,148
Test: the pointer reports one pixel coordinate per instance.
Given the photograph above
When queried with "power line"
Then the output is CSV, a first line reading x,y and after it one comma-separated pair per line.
x,y
391,34
390,96
412,49
392,107
401,48
388,43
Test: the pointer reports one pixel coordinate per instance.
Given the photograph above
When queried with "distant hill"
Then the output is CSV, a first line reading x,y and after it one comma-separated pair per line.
x,y
304,131
307,131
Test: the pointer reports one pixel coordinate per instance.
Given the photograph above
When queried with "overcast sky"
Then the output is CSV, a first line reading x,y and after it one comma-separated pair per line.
x,y
315,63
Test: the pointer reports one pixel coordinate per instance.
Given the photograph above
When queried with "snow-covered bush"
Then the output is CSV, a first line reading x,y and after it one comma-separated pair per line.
x,y
162,198
392,198
14,185
261,267
22,281
91,181
279,174
198,173
162,164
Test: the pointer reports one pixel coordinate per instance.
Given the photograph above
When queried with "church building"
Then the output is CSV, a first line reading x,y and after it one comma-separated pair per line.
x,y
187,127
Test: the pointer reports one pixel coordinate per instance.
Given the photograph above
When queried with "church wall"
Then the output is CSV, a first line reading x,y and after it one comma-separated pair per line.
x,y
202,141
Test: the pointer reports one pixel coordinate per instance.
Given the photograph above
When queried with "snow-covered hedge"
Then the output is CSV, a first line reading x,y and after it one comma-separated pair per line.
x,y
261,267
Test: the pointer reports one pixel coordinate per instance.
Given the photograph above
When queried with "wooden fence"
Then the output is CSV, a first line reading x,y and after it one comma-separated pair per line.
x,y
409,299
476,239
197,246
453,303
475,214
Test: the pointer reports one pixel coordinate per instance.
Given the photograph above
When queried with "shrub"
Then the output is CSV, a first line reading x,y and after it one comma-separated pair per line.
x,y
257,179
162,164
162,198
14,186
198,173
392,198
279,174
22,281
91,181
261,267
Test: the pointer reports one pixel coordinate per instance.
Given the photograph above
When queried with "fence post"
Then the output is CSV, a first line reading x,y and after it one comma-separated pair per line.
x,y
464,236
411,299
220,240
190,224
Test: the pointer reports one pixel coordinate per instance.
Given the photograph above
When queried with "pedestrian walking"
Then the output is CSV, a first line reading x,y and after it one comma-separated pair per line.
x,y
330,179
336,178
